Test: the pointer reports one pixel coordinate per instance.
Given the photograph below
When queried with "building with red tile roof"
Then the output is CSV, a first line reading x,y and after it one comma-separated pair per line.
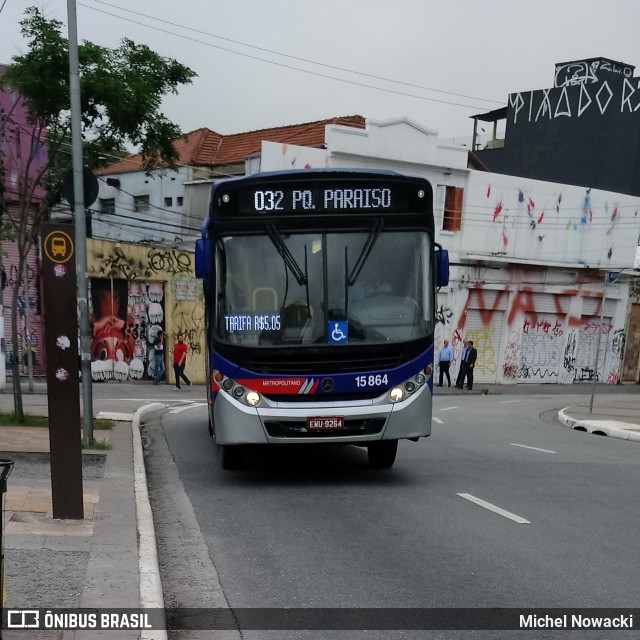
x,y
204,148
151,208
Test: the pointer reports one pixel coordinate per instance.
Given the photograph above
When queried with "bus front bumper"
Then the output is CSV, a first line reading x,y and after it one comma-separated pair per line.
x,y
365,421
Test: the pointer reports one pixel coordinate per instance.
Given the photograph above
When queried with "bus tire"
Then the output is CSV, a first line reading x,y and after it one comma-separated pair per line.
x,y
231,456
382,454
210,427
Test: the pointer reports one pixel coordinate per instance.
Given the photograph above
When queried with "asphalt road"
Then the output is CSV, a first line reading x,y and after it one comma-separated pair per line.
x,y
501,507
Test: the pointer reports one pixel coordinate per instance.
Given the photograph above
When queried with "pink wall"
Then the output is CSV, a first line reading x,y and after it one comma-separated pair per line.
x,y
23,150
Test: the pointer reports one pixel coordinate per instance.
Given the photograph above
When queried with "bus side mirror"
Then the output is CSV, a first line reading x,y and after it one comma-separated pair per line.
x,y
200,260
203,252
442,266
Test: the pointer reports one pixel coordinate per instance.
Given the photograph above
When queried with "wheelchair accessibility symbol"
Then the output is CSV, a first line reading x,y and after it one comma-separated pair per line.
x,y
338,332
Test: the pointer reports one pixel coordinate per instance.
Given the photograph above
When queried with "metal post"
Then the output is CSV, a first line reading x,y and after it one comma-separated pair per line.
x,y
595,358
81,227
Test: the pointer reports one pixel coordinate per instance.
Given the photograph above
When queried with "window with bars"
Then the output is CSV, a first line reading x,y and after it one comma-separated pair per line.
x,y
452,218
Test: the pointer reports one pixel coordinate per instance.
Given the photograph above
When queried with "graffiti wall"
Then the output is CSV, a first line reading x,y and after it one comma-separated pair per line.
x,y
542,319
125,320
137,291
30,322
542,333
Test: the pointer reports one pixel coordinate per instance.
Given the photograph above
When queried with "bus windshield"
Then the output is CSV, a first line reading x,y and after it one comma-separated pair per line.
x,y
369,287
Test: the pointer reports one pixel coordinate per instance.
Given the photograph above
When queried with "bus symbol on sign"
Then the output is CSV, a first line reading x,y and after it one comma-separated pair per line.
x,y
58,246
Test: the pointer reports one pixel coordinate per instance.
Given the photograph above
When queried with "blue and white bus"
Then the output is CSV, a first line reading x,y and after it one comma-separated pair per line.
x,y
320,310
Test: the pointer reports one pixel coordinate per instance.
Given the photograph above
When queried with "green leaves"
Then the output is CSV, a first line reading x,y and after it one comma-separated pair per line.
x,y
121,90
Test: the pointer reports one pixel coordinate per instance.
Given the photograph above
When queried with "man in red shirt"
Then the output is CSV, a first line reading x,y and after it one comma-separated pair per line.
x,y
180,361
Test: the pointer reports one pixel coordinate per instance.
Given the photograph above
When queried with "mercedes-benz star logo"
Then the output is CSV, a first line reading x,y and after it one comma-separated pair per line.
x,y
327,385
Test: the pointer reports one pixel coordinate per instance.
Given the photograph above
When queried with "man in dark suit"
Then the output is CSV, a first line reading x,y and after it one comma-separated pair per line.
x,y
472,356
463,366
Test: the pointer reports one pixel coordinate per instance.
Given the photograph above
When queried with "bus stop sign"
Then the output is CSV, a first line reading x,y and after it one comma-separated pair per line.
x,y
61,343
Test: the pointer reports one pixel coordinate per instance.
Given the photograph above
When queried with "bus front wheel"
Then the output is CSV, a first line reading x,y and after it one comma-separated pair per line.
x,y
382,454
231,456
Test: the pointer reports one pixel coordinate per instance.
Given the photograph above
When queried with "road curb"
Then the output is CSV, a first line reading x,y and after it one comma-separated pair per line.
x,y
594,427
151,595
112,415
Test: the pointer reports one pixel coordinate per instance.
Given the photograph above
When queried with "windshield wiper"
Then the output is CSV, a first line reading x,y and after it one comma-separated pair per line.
x,y
366,250
302,277
287,256
352,277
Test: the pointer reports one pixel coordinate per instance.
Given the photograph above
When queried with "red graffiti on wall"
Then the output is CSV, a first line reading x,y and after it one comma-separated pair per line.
x,y
544,326
523,303
109,341
486,312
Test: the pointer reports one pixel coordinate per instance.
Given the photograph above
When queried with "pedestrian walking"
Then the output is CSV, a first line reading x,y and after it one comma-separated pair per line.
x,y
472,356
462,372
180,362
158,357
444,362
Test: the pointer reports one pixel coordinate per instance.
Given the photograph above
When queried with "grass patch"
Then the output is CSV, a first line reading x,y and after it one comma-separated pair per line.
x,y
100,424
99,446
11,420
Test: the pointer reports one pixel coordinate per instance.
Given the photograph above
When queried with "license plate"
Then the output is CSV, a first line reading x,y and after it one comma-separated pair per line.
x,y
322,423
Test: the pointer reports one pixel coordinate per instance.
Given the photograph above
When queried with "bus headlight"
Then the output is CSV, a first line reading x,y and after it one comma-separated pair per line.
x,y
420,379
252,398
396,394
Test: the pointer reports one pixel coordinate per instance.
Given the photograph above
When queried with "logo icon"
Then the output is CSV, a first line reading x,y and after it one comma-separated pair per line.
x,y
338,332
327,385
23,619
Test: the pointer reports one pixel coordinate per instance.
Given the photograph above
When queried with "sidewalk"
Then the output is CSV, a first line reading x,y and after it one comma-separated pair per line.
x,y
617,420
108,559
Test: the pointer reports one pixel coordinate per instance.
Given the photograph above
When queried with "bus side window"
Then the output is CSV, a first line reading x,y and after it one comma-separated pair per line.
x,y
264,299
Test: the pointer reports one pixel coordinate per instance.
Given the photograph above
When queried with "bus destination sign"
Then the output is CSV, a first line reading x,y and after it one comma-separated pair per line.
x,y
327,200
290,199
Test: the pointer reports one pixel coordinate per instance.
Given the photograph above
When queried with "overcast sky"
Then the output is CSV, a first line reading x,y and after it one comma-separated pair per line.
x,y
265,63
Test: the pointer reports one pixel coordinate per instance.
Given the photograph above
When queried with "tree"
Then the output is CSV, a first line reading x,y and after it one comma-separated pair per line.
x,y
121,93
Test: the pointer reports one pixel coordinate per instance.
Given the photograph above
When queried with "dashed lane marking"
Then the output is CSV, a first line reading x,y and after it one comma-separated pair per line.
x,y
524,446
448,408
437,420
492,507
